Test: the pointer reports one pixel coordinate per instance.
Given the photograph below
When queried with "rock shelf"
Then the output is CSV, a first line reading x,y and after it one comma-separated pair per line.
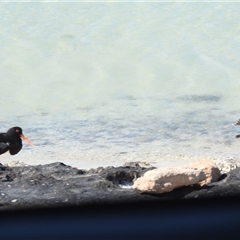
x,y
57,184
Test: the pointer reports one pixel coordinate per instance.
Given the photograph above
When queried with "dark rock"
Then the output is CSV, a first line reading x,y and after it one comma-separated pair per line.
x,y
228,186
57,184
121,175
200,98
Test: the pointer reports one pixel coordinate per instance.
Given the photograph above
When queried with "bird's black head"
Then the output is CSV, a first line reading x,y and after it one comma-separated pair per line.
x,y
15,132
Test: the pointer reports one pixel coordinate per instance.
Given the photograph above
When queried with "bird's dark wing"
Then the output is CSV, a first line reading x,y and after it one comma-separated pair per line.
x,y
4,147
3,137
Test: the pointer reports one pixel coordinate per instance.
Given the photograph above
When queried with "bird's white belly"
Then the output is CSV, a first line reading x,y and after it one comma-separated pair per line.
x,y
5,155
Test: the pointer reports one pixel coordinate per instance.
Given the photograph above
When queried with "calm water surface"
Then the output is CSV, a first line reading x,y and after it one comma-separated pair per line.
x,y
97,84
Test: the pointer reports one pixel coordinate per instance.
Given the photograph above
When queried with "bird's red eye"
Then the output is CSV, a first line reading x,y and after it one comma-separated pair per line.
x,y
17,130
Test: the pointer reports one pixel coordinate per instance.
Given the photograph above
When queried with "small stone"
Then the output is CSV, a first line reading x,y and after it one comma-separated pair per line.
x,y
16,164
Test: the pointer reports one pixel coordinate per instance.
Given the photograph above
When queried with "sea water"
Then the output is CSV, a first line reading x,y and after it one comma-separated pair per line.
x,y
103,83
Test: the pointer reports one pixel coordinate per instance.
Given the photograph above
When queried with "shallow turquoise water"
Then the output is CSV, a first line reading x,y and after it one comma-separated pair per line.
x,y
104,83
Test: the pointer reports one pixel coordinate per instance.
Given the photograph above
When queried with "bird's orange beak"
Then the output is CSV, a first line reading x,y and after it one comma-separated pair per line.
x,y
26,140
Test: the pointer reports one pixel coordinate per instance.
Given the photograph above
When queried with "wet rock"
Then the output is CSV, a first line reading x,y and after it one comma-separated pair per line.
x,y
200,98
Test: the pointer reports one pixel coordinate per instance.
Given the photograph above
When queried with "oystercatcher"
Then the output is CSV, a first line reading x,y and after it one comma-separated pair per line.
x,y
237,124
12,141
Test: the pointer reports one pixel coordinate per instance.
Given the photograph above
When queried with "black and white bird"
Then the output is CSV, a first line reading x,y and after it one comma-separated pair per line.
x,y
11,141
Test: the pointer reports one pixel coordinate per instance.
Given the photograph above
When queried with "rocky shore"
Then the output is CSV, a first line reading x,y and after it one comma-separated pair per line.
x,y
57,184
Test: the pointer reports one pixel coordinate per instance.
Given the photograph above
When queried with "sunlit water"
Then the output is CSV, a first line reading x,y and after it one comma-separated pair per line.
x,y
97,84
